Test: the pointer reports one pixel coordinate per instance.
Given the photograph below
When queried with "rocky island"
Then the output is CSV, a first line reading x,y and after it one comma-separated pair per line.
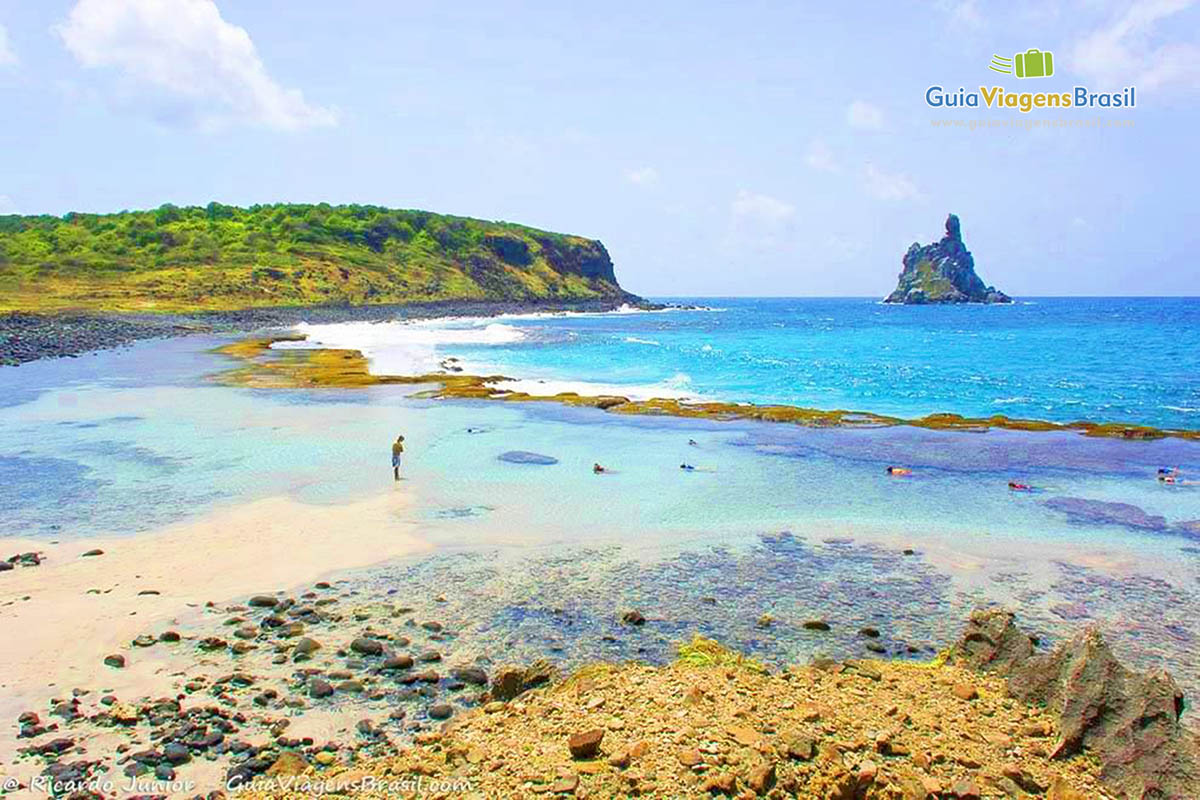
x,y
943,272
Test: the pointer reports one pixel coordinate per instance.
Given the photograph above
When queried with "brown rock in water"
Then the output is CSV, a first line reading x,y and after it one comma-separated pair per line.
x,y
585,744
633,617
993,642
510,681
1128,720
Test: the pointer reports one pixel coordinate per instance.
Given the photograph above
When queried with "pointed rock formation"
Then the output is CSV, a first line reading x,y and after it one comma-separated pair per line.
x,y
1128,720
943,272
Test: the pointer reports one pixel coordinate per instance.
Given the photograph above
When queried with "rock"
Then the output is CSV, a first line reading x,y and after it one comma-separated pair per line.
x,y
1128,720
633,617
325,758
177,753
586,743
319,687
510,681
91,554
288,764
472,675
565,783
168,637
802,748
263,601
526,457
305,647
765,621
965,789
441,711
690,757
816,625
1098,512
429,657
367,647
870,633
721,783
115,660
943,272
964,691
145,640
397,662
762,778
992,642
1061,790
6,566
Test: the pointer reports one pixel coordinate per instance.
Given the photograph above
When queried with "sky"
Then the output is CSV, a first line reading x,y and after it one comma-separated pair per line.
x,y
717,149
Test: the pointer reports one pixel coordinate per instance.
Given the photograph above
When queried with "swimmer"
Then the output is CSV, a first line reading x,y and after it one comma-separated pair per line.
x,y
693,443
899,471
1019,487
687,467
597,468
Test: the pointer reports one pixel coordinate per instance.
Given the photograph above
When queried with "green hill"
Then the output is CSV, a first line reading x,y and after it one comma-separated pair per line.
x,y
222,257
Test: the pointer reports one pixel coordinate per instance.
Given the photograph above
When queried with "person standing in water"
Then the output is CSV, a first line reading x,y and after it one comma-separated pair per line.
x,y
397,452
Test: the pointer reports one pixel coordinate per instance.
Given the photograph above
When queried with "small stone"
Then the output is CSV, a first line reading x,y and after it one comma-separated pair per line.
x,y
816,625
115,660
306,646
722,783
964,691
318,688
633,617
325,758
1061,790
765,621
762,778
471,675
288,764
690,757
867,772
801,748
870,633
585,744
367,647
91,553
441,711
965,789
397,662
566,784
169,637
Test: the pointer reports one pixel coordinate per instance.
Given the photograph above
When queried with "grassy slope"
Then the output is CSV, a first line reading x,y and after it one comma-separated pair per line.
x,y
222,257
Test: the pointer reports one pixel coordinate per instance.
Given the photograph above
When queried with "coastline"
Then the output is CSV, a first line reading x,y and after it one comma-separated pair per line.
x,y
64,616
263,367
28,336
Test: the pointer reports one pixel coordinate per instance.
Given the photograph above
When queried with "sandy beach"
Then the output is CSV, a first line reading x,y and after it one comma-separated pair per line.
x,y
60,619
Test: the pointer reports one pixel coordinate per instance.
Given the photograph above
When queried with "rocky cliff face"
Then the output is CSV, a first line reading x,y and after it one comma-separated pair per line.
x,y
943,272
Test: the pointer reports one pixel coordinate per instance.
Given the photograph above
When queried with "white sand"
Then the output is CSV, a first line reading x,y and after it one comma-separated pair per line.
x,y
56,639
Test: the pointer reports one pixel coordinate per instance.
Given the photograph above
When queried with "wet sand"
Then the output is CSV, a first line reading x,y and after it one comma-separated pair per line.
x,y
60,619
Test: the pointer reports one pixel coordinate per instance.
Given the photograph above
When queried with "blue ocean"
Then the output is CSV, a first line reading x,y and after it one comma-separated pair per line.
x,y
774,518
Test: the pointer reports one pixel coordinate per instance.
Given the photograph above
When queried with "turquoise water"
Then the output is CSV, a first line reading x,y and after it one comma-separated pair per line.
x,y
790,520
1061,359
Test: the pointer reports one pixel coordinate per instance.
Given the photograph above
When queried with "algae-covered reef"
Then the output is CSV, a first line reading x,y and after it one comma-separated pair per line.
x,y
264,367
220,257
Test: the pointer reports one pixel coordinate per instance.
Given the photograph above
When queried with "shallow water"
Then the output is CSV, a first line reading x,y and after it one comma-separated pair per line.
x,y
789,521
1060,359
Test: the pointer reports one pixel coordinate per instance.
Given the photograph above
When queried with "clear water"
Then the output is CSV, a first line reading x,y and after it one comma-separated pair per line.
x,y
1061,359
126,441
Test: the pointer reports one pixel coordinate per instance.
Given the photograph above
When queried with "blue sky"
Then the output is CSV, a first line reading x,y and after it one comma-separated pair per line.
x,y
753,148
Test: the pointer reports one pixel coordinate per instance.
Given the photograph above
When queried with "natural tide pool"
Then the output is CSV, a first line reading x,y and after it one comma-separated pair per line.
x,y
796,523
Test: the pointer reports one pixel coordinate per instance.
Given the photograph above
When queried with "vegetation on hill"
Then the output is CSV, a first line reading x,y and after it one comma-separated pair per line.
x,y
222,257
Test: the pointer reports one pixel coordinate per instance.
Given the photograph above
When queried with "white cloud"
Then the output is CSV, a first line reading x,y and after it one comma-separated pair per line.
x,y
761,208
966,14
888,185
643,176
1129,52
820,157
184,63
7,56
862,114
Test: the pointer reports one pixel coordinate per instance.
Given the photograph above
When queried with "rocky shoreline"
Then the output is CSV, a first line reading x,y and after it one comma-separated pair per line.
x,y
28,337
990,717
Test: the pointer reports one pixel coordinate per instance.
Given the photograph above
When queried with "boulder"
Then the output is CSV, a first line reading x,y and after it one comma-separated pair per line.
x,y
1127,720
510,681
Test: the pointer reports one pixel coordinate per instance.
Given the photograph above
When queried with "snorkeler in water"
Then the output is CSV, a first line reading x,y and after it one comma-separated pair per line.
x,y
597,468
693,443
687,467
899,471
1020,487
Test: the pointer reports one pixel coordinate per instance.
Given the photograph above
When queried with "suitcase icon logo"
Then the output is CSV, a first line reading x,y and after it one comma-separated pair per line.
x,y
1033,63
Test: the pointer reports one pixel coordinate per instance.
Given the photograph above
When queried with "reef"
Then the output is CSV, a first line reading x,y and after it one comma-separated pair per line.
x,y
263,367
